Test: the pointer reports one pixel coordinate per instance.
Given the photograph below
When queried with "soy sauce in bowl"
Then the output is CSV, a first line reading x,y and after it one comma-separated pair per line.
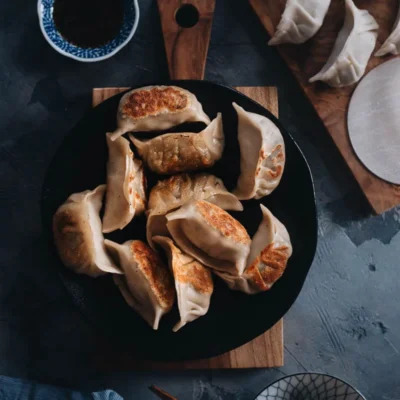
x,y
88,23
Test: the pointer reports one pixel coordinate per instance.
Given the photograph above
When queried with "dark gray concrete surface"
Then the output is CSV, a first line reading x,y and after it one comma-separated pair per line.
x,y
346,320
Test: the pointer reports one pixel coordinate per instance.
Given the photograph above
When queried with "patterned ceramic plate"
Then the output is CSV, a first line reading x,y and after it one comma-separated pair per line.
x,y
310,387
51,34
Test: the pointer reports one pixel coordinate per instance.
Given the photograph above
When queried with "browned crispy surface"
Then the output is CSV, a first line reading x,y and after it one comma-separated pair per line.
x,y
255,277
180,152
271,264
223,222
69,239
188,270
274,163
155,271
144,103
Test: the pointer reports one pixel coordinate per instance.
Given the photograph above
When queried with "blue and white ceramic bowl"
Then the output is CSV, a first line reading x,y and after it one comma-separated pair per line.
x,y
50,32
310,386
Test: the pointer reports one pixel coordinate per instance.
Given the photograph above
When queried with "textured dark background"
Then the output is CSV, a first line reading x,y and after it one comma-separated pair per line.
x,y
346,320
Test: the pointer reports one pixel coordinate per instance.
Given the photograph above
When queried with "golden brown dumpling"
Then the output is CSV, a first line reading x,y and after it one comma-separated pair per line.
x,y
126,186
182,152
269,253
193,282
211,235
262,155
78,235
171,193
146,285
156,108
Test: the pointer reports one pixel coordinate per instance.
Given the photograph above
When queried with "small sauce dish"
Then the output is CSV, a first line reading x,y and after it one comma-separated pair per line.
x,y
63,46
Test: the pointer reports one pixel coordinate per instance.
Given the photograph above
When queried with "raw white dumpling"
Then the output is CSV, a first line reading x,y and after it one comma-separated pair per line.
x,y
126,186
146,285
193,283
78,236
269,253
392,43
262,155
211,235
352,50
182,152
300,21
171,193
155,108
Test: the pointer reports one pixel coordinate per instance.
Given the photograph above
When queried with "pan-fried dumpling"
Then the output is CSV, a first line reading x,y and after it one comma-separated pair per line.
x,y
181,152
262,155
392,43
155,108
78,236
172,193
126,186
352,50
300,21
270,251
180,189
211,235
193,283
146,285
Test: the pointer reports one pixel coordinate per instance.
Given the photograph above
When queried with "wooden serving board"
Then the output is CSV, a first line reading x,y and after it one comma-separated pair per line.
x,y
331,104
264,351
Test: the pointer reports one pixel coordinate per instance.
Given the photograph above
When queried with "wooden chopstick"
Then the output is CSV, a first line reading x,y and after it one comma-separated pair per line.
x,y
162,394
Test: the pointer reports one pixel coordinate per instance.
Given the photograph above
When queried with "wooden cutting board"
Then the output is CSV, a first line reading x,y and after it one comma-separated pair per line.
x,y
331,104
264,351
186,52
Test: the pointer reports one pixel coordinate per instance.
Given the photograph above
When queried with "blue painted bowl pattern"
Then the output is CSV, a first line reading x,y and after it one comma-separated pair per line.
x,y
88,53
310,387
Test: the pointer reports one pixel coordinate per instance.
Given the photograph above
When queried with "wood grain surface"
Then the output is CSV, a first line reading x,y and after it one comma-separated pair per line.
x,y
186,48
331,103
264,351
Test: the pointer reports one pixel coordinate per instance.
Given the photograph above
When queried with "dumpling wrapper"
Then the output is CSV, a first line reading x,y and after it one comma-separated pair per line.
x,y
352,49
126,186
183,152
193,282
172,193
262,155
211,235
78,236
300,21
392,43
155,108
269,253
146,285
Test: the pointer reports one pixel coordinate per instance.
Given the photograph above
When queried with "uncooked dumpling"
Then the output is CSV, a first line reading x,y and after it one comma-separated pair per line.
x,y
171,193
155,108
78,236
193,282
146,285
126,186
182,152
392,43
262,155
270,251
300,21
211,235
352,50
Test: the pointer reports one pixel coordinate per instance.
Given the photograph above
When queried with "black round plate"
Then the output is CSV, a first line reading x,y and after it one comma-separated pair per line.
x,y
234,318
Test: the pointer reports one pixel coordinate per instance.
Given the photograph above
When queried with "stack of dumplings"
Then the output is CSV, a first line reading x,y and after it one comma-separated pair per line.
x,y
188,225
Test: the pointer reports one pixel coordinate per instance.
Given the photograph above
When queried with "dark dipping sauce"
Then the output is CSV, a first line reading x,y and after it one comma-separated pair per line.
x,y
88,23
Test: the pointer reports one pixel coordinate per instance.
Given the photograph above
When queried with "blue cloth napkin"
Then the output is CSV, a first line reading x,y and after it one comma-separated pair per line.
x,y
19,389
